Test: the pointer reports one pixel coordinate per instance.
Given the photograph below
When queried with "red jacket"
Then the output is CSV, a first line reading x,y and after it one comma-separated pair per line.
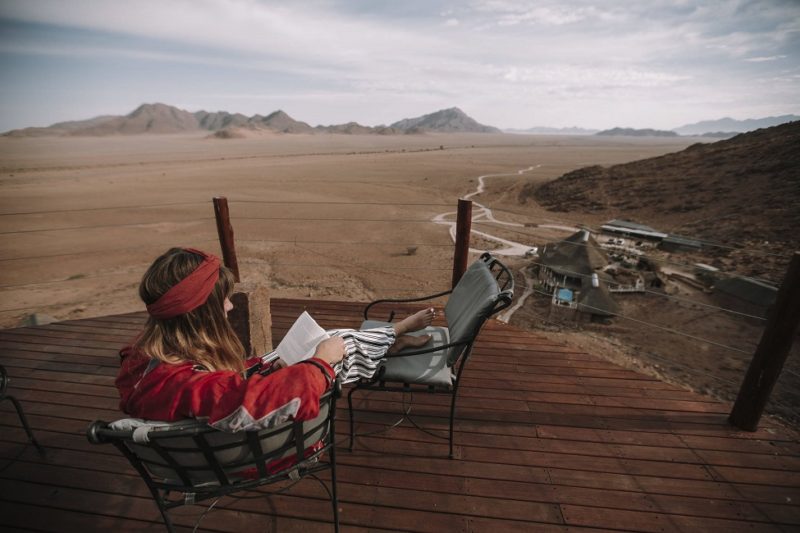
x,y
232,402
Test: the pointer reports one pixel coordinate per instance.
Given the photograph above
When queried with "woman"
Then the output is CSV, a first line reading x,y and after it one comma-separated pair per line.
x,y
188,362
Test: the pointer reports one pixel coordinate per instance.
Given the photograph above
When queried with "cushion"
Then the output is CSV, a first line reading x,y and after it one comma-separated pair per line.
x,y
429,368
469,305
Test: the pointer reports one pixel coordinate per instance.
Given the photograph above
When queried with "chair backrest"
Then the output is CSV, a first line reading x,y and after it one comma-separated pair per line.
x,y
486,287
191,456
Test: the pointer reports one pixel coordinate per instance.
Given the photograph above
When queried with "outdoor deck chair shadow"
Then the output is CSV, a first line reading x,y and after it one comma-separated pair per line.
x,y
486,288
4,380
188,461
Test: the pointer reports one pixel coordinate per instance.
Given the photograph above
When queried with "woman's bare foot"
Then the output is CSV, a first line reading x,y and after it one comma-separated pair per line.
x,y
408,341
415,322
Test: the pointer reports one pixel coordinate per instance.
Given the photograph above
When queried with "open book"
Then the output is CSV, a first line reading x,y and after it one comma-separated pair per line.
x,y
300,341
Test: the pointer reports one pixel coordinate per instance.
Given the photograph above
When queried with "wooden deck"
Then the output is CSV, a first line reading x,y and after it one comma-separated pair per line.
x,y
547,439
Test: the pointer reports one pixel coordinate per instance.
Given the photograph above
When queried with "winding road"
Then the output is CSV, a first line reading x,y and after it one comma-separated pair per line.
x,y
511,248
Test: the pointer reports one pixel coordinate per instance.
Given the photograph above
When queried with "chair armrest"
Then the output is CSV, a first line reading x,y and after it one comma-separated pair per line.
x,y
93,432
100,432
402,300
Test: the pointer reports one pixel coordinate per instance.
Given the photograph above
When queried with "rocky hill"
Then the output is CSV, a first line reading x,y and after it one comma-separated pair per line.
x,y
743,192
354,128
631,132
351,128
220,120
280,122
60,128
446,120
162,118
147,118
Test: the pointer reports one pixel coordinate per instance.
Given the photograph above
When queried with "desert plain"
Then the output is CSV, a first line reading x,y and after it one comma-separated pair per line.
x,y
345,217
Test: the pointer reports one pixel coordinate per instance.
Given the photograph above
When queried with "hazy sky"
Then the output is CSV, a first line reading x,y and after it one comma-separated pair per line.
x,y
507,63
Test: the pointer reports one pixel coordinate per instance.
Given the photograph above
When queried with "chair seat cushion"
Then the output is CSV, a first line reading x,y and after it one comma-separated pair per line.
x,y
427,368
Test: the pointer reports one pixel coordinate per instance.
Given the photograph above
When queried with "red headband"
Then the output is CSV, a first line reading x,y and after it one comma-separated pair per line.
x,y
189,293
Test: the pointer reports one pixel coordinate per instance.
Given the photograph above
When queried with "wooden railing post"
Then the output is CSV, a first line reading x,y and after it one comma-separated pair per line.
x,y
776,341
463,229
225,232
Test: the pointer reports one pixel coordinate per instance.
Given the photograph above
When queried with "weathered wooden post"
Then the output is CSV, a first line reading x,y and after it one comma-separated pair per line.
x,y
776,341
463,229
250,317
225,232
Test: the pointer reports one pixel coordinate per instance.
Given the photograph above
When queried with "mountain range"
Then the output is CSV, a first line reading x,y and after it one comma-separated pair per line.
x,y
546,130
719,129
162,118
728,124
631,132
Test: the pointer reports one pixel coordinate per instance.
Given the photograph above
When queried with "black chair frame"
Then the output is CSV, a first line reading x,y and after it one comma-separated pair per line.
x,y
505,280
224,479
4,381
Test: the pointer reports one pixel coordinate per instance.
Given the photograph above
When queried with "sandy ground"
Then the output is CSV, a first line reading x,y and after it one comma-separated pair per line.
x,y
319,216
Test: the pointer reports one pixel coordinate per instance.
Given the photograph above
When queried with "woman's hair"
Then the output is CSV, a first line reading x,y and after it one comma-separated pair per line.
x,y
202,335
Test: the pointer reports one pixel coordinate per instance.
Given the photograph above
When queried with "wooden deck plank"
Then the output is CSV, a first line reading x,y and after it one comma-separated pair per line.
x,y
548,439
572,455
653,521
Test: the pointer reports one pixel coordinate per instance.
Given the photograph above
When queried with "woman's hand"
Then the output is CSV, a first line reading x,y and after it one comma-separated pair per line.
x,y
330,350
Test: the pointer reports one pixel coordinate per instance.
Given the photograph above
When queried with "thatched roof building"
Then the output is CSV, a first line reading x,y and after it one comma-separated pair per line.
x,y
577,256
576,263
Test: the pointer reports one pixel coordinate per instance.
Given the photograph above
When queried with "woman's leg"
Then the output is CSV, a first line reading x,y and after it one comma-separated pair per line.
x,y
417,321
366,349
363,351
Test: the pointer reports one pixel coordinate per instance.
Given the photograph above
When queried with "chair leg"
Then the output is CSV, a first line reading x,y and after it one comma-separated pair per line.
x,y
167,521
162,510
334,496
25,425
352,421
452,421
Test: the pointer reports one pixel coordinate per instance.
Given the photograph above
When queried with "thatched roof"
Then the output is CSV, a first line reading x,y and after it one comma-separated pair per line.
x,y
597,300
577,255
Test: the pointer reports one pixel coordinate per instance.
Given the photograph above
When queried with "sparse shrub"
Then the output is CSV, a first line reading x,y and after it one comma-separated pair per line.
x,y
411,250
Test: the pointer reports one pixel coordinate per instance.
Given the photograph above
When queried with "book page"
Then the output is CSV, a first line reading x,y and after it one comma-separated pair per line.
x,y
300,341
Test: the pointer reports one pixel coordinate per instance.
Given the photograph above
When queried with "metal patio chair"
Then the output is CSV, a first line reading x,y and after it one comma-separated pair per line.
x,y
486,288
4,381
188,461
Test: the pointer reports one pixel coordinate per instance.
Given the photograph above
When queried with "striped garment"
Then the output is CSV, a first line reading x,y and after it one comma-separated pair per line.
x,y
364,351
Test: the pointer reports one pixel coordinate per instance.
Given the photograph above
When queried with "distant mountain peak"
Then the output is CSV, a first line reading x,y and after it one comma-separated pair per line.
x,y
634,132
281,122
154,107
280,113
547,130
448,120
456,110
